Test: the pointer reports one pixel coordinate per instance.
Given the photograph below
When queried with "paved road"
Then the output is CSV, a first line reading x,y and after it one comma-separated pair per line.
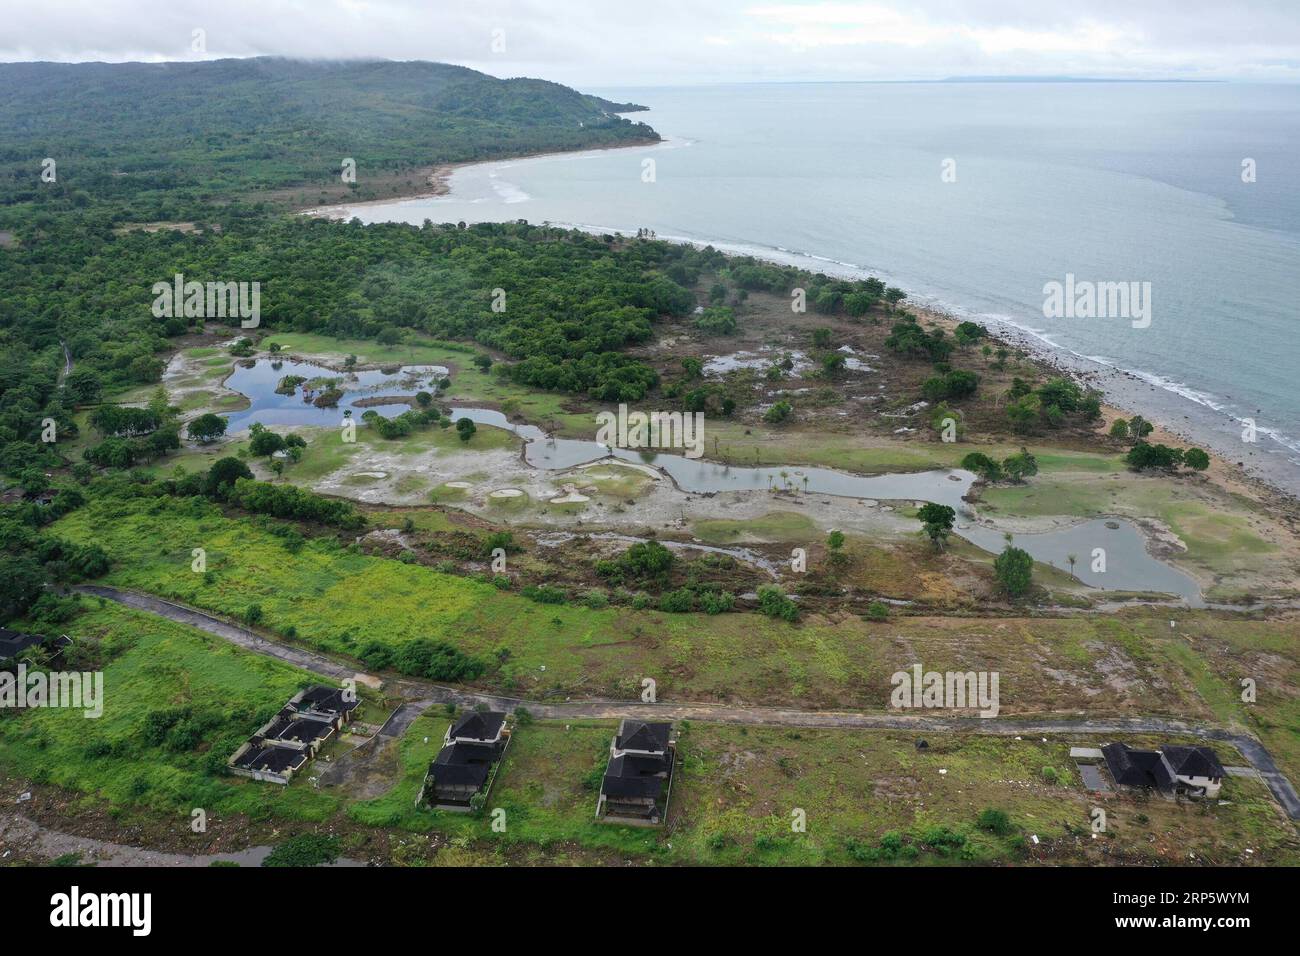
x,y
422,694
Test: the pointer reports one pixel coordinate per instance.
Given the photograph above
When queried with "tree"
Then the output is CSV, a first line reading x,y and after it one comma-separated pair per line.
x,y
465,428
835,542
206,428
1143,456
778,412
84,386
982,465
1072,559
1023,412
1014,570
968,333
483,361
222,477
1119,429
21,583
1020,466
937,521
264,441
1139,427
773,602
1196,458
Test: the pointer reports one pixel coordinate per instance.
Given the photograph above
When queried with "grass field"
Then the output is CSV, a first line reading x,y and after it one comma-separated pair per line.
x,y
865,797
336,598
156,665
738,790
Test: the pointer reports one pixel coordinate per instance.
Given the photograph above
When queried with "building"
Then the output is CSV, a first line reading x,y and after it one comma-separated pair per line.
x,y
332,702
477,727
283,745
1196,769
466,765
1172,770
36,647
638,779
268,762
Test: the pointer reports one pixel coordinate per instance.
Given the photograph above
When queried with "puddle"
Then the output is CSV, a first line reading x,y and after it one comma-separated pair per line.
x,y
269,407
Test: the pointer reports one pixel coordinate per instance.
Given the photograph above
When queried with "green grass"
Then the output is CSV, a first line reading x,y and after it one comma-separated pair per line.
x,y
337,599
773,526
155,665
736,790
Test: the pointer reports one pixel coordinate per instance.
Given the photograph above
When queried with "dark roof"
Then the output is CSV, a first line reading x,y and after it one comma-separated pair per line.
x,y
273,759
463,754
638,735
630,776
1193,761
320,697
303,730
461,765
13,643
478,726
1138,768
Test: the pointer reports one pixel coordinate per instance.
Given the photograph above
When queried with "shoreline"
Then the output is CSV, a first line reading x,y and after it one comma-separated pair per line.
x,y
1125,392
439,178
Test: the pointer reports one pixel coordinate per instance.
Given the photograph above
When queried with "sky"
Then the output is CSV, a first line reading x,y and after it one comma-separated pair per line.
x,y
610,43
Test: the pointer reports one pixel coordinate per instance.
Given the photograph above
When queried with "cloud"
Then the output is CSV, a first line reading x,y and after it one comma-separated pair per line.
x,y
595,42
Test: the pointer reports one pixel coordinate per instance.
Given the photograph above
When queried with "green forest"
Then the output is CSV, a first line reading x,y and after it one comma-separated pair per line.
x,y
169,141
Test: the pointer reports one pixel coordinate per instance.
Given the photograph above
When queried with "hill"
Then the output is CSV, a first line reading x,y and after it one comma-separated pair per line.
x,y
157,140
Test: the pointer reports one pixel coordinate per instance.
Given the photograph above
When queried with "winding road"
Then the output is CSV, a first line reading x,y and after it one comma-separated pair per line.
x,y
419,695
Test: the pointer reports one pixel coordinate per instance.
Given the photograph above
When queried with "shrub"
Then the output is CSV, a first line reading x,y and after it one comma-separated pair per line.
x,y
773,602
1014,571
994,821
307,849
677,602
717,602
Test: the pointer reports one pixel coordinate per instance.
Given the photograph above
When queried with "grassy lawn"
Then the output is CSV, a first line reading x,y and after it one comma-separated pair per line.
x,y
861,795
336,599
865,796
155,665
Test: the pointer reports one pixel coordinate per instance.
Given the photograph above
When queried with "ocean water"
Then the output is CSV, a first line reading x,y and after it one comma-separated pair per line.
x,y
1108,182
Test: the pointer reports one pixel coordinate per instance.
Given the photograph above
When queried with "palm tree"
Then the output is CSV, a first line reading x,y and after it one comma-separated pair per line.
x,y
1072,558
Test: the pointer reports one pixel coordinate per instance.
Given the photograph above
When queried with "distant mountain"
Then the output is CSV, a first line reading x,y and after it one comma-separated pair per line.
x,y
132,132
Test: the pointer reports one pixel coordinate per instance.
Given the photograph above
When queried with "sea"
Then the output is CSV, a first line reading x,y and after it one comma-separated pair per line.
x,y
980,198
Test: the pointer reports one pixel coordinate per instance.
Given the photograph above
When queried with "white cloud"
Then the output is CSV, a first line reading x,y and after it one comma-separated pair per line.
x,y
598,43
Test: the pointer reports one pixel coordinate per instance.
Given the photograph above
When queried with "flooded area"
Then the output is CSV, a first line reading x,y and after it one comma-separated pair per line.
x,y
1110,553
295,405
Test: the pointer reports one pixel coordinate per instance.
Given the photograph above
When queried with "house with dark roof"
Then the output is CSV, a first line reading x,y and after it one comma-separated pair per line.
x,y
283,745
1196,769
477,727
304,730
462,773
1172,770
333,703
268,761
36,647
638,779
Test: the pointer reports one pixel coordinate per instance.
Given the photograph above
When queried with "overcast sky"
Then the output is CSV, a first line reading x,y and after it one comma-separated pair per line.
x,y
651,42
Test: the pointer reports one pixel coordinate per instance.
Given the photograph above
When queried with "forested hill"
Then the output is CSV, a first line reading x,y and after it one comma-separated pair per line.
x,y
157,141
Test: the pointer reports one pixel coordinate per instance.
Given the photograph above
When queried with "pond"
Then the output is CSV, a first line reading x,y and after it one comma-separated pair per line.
x,y
1128,565
258,383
